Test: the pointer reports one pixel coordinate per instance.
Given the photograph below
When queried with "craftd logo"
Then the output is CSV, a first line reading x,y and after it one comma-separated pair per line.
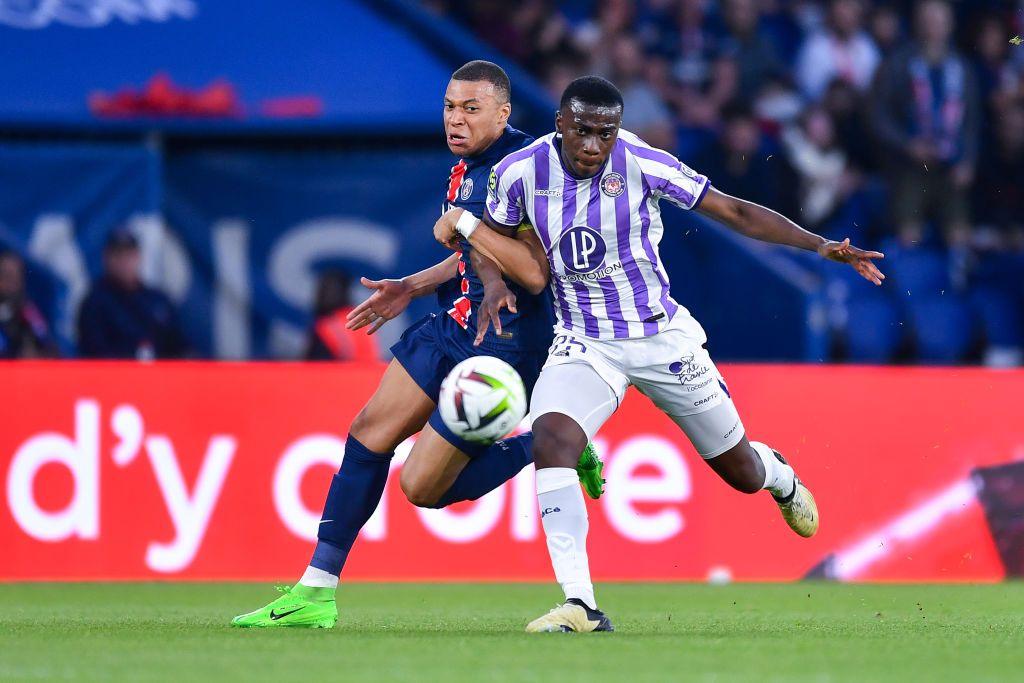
x,y
582,249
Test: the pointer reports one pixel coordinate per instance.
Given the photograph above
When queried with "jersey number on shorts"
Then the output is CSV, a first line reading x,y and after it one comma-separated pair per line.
x,y
564,345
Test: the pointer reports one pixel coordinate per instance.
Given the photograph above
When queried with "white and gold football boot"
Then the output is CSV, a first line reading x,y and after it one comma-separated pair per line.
x,y
798,508
572,616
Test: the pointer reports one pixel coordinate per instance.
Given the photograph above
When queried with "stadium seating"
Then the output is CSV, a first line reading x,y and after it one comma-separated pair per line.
x,y
874,330
942,327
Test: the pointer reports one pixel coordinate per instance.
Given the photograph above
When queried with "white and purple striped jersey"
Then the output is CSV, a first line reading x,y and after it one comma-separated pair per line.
x,y
601,234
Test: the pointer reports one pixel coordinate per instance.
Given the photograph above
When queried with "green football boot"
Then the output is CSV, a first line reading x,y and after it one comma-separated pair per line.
x,y
300,606
589,469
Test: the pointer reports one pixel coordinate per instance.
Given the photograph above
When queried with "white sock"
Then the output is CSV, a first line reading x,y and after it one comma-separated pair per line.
x,y
779,478
564,516
318,578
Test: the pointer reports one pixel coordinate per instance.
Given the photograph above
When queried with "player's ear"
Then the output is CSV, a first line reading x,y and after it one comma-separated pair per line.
x,y
505,112
558,121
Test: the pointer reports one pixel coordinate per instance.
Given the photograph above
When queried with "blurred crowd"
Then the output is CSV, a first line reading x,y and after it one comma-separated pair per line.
x,y
898,124
121,317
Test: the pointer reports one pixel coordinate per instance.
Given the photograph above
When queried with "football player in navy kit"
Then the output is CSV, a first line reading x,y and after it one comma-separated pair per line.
x,y
480,313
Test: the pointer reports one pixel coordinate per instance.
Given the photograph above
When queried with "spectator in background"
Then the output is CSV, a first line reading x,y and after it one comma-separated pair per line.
x,y
644,113
737,164
744,43
614,18
821,165
843,50
689,45
999,79
925,111
562,70
329,339
781,26
687,69
655,25
23,329
123,318
541,31
845,106
1000,189
886,28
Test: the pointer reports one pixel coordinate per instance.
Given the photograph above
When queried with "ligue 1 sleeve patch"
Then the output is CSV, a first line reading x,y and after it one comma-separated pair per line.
x,y
492,185
613,184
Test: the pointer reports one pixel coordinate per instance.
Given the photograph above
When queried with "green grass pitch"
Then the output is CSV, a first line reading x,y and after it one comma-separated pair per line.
x,y
455,632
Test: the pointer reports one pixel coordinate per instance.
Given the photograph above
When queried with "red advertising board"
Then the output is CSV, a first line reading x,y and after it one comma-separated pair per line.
x,y
218,471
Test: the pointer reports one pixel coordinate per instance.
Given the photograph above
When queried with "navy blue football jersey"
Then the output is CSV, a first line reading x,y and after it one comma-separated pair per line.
x,y
531,327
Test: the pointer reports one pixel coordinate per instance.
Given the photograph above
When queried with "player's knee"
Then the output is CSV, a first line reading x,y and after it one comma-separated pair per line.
x,y
369,432
417,491
748,473
557,441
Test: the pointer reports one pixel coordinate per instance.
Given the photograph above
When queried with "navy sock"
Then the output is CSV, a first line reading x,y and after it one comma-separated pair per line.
x,y
490,469
355,492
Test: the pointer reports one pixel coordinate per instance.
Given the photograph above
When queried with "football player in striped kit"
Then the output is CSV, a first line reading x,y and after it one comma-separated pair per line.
x,y
442,468
592,192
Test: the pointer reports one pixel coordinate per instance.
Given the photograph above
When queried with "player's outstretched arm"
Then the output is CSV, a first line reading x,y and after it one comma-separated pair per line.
x,y
391,297
761,223
521,258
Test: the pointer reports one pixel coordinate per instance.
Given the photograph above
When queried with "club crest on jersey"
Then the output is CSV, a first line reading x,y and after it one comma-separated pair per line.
x,y
582,249
613,184
466,191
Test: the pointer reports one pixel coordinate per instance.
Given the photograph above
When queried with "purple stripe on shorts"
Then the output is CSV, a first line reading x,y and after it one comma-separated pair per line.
x,y
623,226
612,303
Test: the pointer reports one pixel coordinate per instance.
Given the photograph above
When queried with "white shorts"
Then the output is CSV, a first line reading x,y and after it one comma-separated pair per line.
x,y
587,379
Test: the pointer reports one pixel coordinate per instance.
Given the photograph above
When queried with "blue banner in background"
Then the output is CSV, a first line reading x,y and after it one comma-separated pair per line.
x,y
259,227
57,204
238,238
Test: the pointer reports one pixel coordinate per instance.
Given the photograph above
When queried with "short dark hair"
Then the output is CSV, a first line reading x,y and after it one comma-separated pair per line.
x,y
120,238
592,90
480,70
736,110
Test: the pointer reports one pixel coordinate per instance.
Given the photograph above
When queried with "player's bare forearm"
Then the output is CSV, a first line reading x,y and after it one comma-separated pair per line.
x,y
486,269
519,257
429,279
760,223
757,222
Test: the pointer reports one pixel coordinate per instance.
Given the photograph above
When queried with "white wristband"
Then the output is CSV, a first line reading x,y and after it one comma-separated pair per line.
x,y
467,224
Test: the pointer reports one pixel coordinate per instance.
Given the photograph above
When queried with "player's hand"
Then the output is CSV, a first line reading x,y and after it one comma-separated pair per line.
x,y
862,261
444,229
389,299
497,296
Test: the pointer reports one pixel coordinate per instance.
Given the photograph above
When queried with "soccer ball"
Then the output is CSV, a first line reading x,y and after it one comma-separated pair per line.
x,y
482,399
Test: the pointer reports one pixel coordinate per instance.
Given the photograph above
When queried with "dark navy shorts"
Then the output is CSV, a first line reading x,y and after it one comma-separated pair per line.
x,y
430,348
